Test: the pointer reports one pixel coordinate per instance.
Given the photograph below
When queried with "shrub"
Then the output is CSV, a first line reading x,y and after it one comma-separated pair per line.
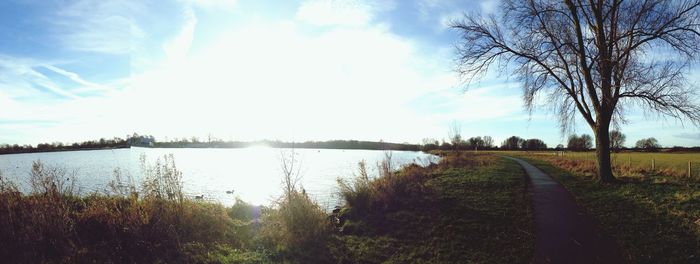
x,y
296,226
367,200
46,179
162,180
357,193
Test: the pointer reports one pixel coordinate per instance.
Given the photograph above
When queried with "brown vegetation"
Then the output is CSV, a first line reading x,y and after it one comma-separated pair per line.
x,y
154,222
53,224
631,172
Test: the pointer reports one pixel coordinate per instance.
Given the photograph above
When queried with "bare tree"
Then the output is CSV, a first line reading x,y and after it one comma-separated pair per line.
x,y
454,132
488,141
291,168
593,57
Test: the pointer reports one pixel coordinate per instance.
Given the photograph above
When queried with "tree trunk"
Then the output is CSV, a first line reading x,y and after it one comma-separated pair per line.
x,y
602,151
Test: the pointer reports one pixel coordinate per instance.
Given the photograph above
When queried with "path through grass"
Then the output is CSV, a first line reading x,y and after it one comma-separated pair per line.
x,y
655,222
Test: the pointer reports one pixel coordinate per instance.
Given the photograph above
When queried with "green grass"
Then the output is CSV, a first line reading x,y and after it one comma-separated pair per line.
x,y
655,222
223,253
469,209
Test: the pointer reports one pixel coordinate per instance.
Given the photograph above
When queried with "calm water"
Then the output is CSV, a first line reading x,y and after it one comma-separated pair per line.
x,y
254,174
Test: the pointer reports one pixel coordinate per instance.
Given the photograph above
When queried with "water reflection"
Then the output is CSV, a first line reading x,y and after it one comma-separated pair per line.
x,y
253,174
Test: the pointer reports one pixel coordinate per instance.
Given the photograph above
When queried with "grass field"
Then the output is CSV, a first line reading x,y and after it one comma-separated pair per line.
x,y
633,164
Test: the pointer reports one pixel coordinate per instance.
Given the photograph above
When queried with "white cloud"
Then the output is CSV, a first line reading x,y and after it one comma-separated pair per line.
x,y
488,6
20,78
178,48
447,19
103,26
481,103
227,5
340,13
277,80
88,86
274,80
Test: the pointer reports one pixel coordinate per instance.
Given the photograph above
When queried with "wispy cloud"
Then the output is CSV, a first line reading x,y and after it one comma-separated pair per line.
x,y
227,5
20,75
176,49
694,136
340,13
488,6
87,86
102,26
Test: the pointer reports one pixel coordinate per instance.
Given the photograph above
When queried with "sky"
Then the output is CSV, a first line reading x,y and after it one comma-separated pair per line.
x,y
260,69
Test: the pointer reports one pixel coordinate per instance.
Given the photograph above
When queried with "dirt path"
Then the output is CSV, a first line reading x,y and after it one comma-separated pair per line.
x,y
564,232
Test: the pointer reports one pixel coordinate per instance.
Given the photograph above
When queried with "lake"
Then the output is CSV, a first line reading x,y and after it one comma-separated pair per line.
x,y
255,174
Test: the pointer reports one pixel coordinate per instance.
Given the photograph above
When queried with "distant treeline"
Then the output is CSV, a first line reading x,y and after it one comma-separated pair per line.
x,y
484,143
149,141
331,144
132,140
574,143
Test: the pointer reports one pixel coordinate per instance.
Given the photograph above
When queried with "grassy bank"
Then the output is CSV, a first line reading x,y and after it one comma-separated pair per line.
x,y
655,221
465,209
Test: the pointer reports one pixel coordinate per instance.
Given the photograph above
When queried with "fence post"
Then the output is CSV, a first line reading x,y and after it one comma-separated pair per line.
x,y
629,161
690,170
653,165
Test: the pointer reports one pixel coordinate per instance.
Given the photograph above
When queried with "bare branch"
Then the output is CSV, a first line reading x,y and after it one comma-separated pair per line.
x,y
590,54
594,57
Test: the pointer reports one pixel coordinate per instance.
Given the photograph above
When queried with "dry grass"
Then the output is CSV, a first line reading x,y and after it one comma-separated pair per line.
x,y
389,190
625,164
154,222
53,224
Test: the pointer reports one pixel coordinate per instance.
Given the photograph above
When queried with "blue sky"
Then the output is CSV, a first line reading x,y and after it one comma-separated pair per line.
x,y
250,69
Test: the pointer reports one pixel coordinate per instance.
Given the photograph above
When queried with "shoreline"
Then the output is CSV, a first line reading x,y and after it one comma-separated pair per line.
x,y
200,147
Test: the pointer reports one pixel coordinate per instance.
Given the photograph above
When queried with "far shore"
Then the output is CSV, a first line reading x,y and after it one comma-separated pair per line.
x,y
25,151
145,142
59,150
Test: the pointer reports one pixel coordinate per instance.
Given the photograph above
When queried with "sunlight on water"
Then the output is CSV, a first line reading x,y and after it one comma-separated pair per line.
x,y
253,174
